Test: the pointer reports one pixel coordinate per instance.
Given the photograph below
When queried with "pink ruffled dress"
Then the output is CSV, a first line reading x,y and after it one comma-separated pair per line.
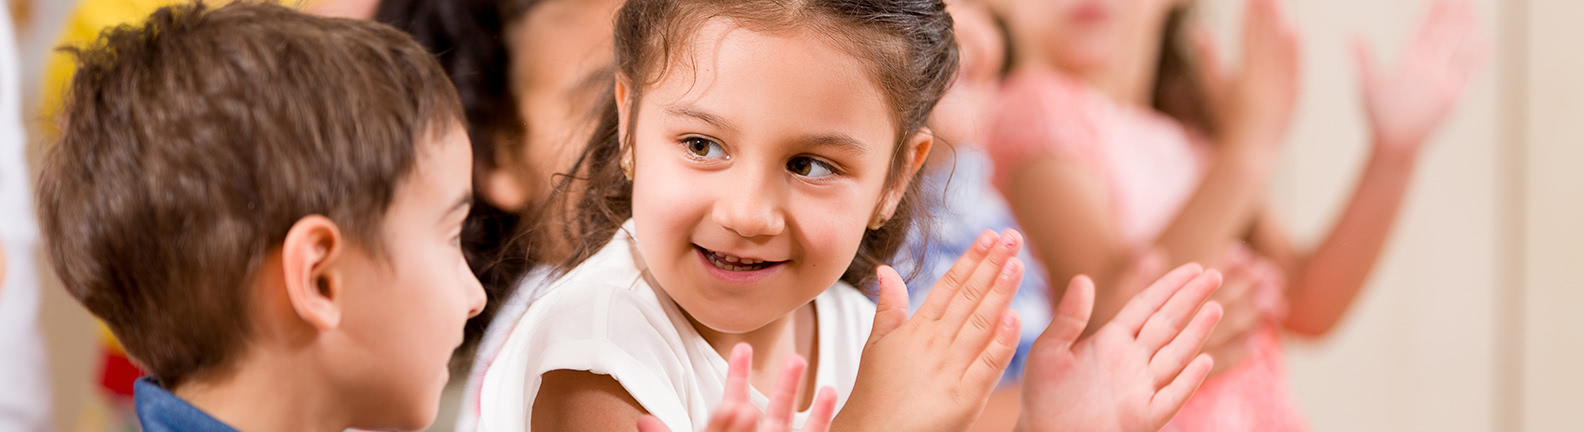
x,y
1151,165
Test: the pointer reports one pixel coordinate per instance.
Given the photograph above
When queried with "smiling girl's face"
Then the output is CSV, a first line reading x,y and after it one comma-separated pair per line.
x,y
759,163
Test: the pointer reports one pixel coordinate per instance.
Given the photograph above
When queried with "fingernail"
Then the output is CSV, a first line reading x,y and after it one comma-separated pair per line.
x,y
985,240
1010,270
1009,241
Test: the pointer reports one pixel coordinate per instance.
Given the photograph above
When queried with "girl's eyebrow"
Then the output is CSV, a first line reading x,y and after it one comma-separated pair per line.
x,y
836,142
701,115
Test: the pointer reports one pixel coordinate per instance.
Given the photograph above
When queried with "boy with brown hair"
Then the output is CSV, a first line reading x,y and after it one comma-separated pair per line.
x,y
264,207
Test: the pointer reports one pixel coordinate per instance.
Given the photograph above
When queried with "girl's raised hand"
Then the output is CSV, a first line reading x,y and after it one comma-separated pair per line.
x,y
1254,104
934,371
736,414
1135,372
1407,102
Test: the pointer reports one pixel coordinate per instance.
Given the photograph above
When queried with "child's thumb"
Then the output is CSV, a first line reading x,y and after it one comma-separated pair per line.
x,y
1072,315
891,308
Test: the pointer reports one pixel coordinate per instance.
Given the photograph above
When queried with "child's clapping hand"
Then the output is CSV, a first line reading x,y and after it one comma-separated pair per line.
x,y
736,414
935,371
1135,372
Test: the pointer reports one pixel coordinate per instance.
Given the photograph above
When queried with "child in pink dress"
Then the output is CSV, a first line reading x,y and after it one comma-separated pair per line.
x,y
1105,147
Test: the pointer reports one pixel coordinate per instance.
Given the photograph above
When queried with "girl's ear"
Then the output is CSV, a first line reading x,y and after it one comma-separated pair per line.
x,y
915,151
623,110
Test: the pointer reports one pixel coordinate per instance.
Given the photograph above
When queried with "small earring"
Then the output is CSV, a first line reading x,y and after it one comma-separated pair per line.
x,y
879,221
627,169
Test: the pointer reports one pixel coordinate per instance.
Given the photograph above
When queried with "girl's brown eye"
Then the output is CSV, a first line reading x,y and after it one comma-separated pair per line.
x,y
703,148
809,167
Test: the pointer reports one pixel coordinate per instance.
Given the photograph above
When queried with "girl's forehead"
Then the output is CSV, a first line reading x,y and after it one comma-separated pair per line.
x,y
786,76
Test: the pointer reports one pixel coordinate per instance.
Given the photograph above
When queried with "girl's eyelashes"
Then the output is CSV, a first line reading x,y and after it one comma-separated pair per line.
x,y
810,167
703,148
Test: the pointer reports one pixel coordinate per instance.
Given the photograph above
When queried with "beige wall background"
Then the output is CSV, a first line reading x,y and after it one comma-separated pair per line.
x,y
1469,323
1466,325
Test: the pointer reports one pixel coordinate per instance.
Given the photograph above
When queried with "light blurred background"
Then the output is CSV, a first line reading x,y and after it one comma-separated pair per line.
x,y
1472,321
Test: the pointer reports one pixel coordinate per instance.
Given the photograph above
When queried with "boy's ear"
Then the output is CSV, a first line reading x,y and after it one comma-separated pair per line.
x,y
310,259
915,151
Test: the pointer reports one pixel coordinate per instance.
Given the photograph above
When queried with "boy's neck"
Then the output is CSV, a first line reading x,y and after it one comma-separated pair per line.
x,y
266,394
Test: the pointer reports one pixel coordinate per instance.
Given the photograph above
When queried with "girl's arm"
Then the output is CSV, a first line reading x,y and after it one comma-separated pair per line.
x,y
581,401
1322,283
1405,105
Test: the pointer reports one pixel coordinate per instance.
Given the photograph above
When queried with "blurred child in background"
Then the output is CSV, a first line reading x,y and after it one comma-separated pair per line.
x,y
530,74
1112,140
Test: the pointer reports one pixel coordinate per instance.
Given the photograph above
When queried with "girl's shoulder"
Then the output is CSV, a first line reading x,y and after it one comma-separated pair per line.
x,y
583,302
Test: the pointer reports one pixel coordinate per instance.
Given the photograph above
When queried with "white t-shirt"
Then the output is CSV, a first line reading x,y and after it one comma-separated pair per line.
x,y
607,318
511,310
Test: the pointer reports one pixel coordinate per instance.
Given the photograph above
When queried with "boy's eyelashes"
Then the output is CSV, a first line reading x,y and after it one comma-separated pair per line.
x,y
703,148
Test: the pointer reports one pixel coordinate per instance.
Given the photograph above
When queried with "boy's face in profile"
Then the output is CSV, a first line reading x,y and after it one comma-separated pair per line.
x,y
404,310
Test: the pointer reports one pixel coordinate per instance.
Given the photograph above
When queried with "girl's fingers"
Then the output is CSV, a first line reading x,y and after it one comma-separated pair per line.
x,y
1171,360
946,289
1072,316
779,414
1167,322
982,325
737,370
1132,316
736,417
891,307
819,418
985,371
981,282
1170,399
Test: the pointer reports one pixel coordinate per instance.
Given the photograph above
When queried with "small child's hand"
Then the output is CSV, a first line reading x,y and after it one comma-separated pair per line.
x,y
1239,296
736,414
1254,104
935,371
1406,103
1131,375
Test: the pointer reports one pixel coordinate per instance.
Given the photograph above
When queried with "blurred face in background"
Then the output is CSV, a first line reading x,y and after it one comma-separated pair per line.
x,y
560,67
963,111
1085,38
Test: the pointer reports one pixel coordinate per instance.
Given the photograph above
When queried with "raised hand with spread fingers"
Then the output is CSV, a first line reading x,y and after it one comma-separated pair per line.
x,y
1136,371
736,414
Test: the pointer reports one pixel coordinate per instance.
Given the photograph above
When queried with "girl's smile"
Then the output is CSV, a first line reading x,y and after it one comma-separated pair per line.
x,y
736,269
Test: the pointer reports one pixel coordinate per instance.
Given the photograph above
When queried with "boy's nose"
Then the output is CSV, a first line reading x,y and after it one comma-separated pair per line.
x,y
476,297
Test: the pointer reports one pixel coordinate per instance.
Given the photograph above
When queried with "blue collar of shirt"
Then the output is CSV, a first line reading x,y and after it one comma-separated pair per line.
x,y
160,411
